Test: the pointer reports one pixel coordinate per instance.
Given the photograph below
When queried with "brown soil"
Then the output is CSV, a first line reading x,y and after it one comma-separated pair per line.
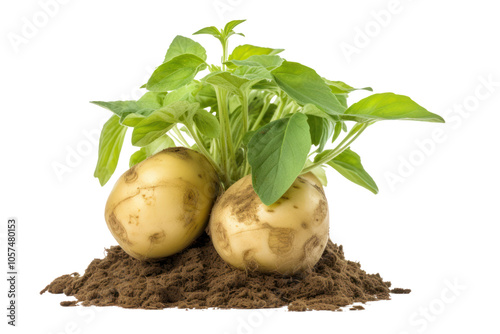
x,y
199,278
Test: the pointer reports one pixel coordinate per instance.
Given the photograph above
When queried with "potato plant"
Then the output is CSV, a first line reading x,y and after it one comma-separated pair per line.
x,y
260,120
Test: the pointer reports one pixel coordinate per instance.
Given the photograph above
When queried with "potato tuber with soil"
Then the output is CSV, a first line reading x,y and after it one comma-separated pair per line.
x,y
240,147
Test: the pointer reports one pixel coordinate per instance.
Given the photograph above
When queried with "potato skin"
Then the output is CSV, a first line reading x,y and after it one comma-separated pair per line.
x,y
286,238
161,205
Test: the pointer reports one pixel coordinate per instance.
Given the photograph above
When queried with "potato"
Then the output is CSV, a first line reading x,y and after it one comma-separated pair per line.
x,y
286,237
161,205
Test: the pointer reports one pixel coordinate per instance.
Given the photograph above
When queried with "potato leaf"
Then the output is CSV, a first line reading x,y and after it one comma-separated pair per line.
x,y
320,173
321,130
256,73
156,146
161,121
206,96
184,93
227,81
110,146
348,163
246,138
221,35
337,130
269,62
175,73
206,123
342,99
245,51
339,87
123,108
389,106
209,31
132,112
183,45
228,28
305,86
277,153
256,67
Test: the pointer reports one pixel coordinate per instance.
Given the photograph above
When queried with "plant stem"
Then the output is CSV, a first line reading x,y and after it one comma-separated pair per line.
x,y
279,111
176,140
224,53
226,139
341,147
204,151
267,103
244,111
180,136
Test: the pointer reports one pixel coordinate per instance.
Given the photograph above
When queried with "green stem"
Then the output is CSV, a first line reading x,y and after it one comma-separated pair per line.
x,y
341,147
180,136
293,109
244,110
267,103
204,151
246,170
226,141
279,111
224,53
176,140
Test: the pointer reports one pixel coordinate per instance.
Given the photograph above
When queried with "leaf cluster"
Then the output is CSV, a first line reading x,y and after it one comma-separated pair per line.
x,y
255,113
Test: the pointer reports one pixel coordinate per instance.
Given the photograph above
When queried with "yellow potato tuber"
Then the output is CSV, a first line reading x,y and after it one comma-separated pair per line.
x,y
286,237
161,205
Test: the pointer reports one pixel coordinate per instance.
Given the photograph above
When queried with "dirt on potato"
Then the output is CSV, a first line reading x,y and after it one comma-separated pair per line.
x,y
198,278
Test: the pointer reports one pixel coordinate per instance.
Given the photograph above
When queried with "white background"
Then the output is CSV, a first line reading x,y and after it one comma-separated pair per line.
x,y
437,226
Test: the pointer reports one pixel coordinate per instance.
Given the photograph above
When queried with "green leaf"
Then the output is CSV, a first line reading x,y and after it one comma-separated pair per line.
x,y
132,112
110,145
349,165
209,31
321,129
156,146
137,157
227,81
183,45
206,123
245,51
182,93
342,99
175,73
319,172
253,73
338,126
228,29
161,121
339,87
277,153
246,138
221,35
150,129
256,67
266,85
123,108
269,62
311,110
389,106
337,130
206,96
153,100
305,86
